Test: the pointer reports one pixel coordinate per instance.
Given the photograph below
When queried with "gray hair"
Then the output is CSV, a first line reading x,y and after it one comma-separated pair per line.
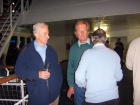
x,y
37,26
99,36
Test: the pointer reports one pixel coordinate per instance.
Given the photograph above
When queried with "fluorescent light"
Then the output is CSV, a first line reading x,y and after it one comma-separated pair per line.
x,y
107,35
102,27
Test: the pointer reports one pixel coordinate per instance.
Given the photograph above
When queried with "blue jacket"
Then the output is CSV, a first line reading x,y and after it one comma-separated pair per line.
x,y
27,67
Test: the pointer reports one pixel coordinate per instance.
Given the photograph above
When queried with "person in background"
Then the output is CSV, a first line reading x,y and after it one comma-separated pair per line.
x,y
133,63
37,64
99,71
120,43
76,51
119,46
107,43
119,51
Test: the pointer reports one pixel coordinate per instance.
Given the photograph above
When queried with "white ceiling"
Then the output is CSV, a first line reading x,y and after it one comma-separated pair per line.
x,y
60,10
61,15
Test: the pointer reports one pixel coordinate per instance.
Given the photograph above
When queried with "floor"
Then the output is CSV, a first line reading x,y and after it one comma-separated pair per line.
x,y
125,90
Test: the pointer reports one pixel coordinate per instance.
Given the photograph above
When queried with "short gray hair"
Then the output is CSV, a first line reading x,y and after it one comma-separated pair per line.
x,y
36,27
99,36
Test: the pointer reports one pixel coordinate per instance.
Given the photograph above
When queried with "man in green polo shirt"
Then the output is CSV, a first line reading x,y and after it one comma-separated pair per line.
x,y
76,51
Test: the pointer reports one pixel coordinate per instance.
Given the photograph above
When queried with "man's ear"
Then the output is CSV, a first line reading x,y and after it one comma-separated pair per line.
x,y
35,35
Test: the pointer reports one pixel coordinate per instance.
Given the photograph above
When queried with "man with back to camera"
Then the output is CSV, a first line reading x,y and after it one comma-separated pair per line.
x,y
43,86
99,71
76,51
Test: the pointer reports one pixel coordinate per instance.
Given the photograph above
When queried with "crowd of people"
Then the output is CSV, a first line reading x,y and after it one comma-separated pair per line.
x,y
93,68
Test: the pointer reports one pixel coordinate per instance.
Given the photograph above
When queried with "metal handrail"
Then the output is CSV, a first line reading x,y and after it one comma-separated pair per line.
x,y
4,24
7,69
8,78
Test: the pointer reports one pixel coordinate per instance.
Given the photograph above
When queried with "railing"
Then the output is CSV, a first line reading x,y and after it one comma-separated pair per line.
x,y
8,86
8,78
7,68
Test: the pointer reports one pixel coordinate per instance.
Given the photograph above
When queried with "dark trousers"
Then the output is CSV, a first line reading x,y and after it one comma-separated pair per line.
x,y
110,102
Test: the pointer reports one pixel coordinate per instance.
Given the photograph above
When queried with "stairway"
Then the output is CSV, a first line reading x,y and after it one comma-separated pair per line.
x,y
9,21
7,29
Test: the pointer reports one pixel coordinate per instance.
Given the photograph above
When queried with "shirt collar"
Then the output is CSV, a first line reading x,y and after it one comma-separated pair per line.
x,y
37,47
99,44
88,42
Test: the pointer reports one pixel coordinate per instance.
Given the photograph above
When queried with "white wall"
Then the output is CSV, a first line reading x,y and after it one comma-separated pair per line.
x,y
59,44
133,34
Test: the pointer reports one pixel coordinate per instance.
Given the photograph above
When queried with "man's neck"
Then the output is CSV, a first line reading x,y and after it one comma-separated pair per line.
x,y
84,41
40,44
98,43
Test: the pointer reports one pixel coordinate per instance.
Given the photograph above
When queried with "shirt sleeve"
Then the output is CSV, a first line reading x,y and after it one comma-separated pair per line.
x,y
23,71
70,70
118,73
80,74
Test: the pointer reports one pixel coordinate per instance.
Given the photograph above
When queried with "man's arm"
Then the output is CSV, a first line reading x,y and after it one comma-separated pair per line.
x,y
70,74
71,68
23,71
118,73
80,74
